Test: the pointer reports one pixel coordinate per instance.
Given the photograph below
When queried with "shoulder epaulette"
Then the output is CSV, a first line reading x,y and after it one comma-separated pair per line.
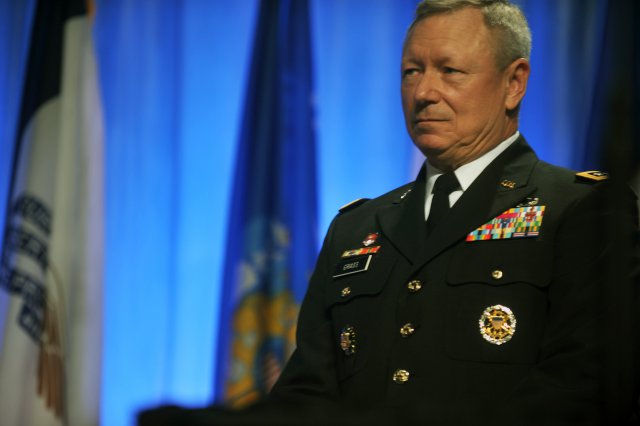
x,y
593,175
353,204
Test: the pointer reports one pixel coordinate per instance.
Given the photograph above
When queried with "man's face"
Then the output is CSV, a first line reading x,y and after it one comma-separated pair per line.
x,y
453,94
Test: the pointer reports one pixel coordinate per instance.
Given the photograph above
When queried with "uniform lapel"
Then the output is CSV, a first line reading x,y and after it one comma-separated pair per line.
x,y
402,222
485,198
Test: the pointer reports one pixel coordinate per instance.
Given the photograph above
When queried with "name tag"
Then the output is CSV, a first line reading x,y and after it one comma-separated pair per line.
x,y
352,266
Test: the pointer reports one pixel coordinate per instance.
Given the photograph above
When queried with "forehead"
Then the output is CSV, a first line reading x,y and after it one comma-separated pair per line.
x,y
459,31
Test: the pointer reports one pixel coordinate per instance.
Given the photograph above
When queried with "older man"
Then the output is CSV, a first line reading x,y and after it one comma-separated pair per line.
x,y
472,294
480,293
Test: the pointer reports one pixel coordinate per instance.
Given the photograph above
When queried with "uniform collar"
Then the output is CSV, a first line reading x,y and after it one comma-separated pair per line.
x,y
467,173
403,223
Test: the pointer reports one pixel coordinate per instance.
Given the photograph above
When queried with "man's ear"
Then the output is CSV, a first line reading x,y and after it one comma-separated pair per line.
x,y
517,76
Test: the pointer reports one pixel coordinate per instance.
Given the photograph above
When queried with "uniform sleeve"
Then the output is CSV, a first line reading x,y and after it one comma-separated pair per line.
x,y
310,375
587,372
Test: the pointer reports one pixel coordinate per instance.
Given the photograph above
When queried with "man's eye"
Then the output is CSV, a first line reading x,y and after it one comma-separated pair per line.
x,y
409,72
449,70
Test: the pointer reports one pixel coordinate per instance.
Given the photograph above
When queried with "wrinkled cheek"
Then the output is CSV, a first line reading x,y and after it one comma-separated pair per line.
x,y
407,107
407,118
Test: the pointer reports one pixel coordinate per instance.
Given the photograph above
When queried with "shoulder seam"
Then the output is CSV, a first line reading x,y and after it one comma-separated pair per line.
x,y
352,205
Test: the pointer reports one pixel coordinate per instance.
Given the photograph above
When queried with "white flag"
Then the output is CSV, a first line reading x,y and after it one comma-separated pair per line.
x,y
52,258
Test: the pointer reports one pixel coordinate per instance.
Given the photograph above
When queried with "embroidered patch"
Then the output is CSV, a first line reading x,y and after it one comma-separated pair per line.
x,y
517,222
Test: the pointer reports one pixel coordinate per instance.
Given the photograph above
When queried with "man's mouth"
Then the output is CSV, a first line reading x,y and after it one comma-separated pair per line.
x,y
428,121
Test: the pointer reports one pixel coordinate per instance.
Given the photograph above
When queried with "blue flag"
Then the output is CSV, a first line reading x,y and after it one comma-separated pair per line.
x,y
271,247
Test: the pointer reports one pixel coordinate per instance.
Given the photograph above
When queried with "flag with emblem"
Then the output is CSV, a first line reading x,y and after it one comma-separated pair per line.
x,y
271,243
51,263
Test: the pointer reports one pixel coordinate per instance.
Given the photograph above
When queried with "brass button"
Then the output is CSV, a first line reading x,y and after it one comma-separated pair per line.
x,y
497,274
345,292
407,330
414,286
401,376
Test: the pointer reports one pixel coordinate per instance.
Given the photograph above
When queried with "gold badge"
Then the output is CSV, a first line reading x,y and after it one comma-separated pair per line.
x,y
348,340
497,324
508,184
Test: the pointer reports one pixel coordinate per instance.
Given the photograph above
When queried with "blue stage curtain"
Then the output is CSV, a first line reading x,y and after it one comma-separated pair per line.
x,y
363,148
15,32
174,79
567,41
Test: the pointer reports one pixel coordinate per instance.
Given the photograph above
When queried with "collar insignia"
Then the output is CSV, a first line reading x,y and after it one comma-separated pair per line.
x,y
508,184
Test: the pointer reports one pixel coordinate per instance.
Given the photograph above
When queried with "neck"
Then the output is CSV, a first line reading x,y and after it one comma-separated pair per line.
x,y
475,150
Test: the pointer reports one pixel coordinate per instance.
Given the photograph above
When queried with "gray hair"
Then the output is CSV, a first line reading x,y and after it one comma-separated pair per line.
x,y
513,38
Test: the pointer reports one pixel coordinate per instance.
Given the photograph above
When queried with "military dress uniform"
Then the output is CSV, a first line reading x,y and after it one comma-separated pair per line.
x,y
495,316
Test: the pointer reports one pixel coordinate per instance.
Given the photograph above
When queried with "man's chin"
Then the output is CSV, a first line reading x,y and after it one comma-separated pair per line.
x,y
431,144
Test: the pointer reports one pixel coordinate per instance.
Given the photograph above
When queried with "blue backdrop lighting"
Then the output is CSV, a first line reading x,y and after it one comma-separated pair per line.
x,y
173,79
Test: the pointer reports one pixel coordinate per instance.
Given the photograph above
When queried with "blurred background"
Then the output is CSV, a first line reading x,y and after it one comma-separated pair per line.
x,y
174,78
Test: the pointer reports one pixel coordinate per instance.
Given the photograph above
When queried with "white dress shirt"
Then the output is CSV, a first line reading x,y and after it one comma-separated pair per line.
x,y
466,173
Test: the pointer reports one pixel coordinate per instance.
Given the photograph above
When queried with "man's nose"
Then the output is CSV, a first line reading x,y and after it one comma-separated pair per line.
x,y
428,89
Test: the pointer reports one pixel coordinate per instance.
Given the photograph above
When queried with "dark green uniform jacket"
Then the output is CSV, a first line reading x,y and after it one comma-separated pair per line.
x,y
400,327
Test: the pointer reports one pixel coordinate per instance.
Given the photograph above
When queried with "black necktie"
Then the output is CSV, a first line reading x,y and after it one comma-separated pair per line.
x,y
445,184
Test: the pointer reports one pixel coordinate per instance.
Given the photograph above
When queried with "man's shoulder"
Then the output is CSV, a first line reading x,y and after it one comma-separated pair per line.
x,y
565,178
367,205
594,187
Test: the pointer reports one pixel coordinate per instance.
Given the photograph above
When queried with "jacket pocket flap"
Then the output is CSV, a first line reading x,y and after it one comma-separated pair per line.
x,y
502,262
368,282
